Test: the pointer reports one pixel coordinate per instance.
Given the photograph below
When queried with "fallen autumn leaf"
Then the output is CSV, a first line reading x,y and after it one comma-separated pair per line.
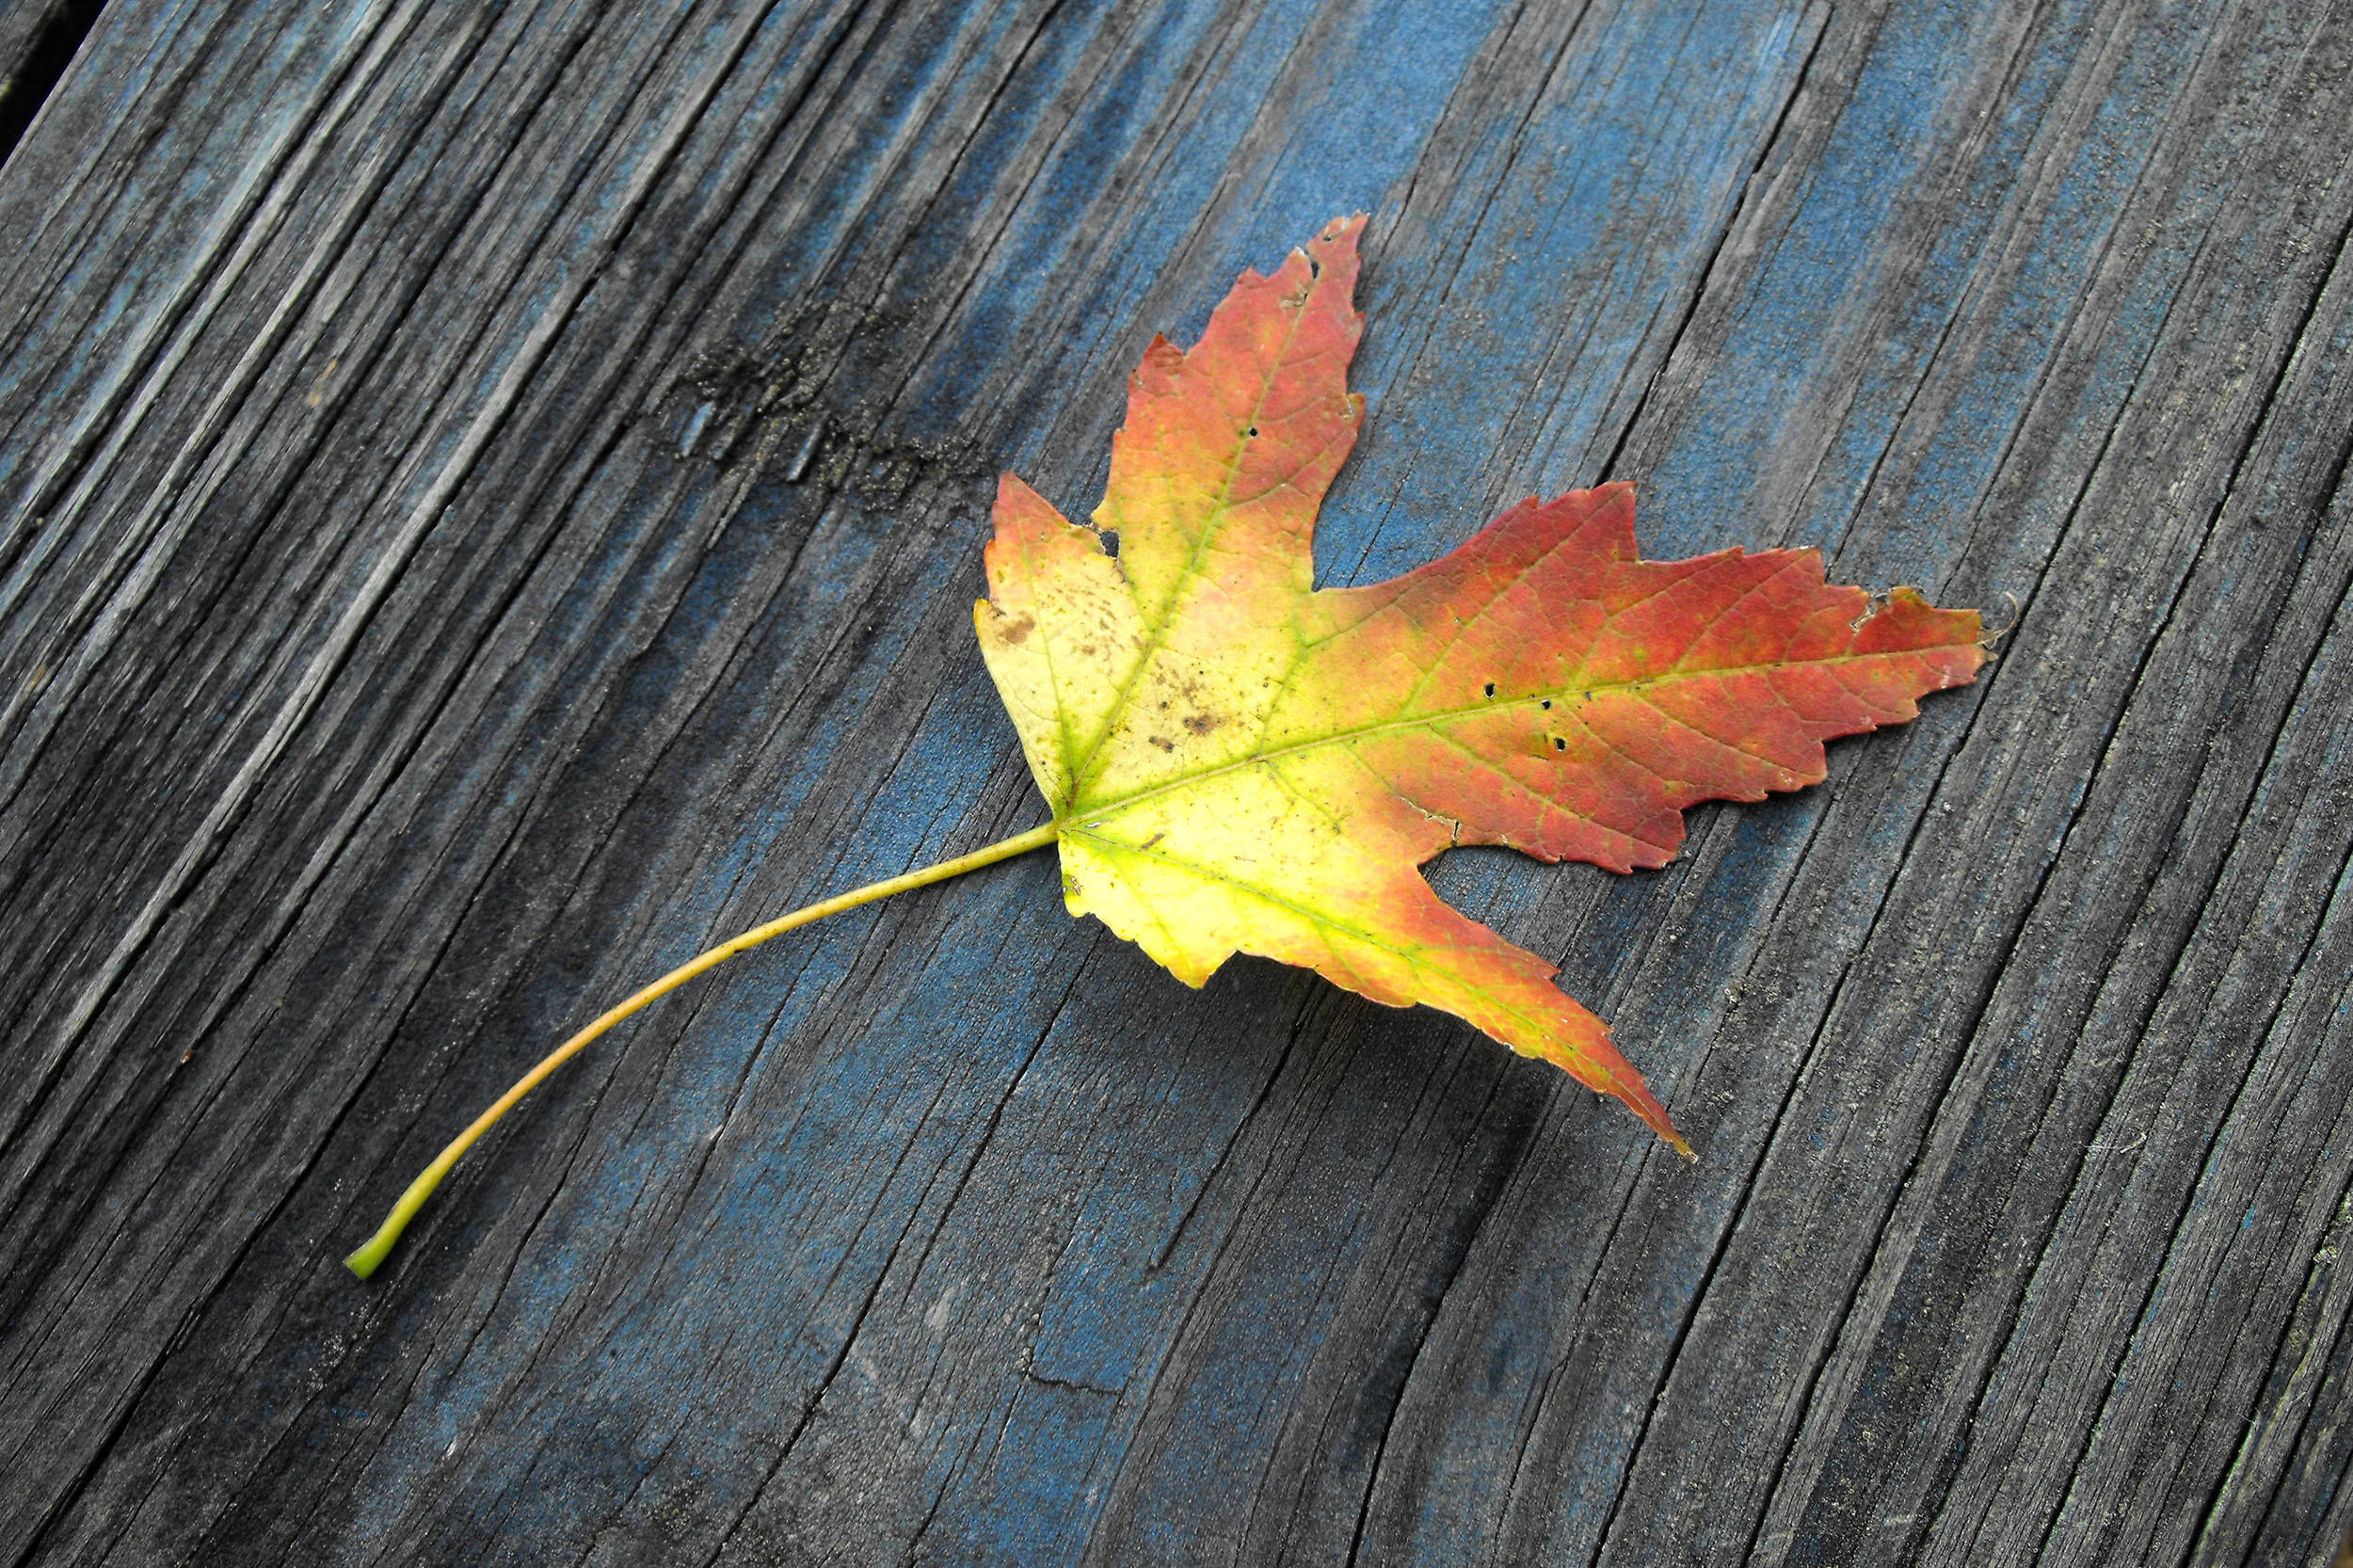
x,y
1239,761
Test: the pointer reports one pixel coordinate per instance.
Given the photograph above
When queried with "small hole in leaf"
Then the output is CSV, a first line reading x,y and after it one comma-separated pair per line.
x,y
1559,744
1491,688
1547,705
1110,544
1254,429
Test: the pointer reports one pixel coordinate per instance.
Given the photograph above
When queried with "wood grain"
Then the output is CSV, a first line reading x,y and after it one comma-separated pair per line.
x,y
494,496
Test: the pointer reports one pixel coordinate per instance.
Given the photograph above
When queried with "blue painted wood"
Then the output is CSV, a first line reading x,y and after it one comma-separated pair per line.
x,y
495,502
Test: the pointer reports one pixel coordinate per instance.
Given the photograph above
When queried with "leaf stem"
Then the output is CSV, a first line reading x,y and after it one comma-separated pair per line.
x,y
365,1260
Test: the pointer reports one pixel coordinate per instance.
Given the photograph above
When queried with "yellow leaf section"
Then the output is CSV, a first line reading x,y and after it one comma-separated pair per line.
x,y
1063,636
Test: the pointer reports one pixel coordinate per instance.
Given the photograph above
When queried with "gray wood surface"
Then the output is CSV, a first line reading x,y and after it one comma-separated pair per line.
x,y
494,499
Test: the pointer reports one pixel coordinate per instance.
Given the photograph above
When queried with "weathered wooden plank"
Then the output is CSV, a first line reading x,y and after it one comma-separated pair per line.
x,y
496,499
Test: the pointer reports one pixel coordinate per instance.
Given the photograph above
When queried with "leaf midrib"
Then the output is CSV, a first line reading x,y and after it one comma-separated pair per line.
x,y
1089,767
1487,705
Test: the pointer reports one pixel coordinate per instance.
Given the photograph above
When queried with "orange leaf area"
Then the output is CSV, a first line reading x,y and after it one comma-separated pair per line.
x,y
1238,762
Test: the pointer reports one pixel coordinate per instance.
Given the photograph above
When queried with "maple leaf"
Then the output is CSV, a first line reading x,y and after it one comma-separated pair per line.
x,y
1239,761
